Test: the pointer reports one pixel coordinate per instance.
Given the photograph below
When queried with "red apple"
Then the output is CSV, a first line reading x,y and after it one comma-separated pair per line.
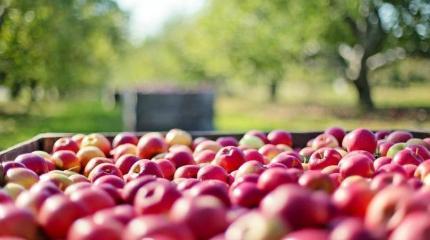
x,y
9,165
308,234
212,172
124,149
156,227
125,162
17,222
57,215
88,229
306,153
145,167
383,148
213,188
357,164
324,140
415,226
274,177
85,154
92,199
382,134
337,132
97,140
150,145
78,138
392,168
121,213
227,141
61,180
420,150
353,199
360,139
167,168
399,136
379,162
178,137
315,180
180,158
124,138
5,198
110,179
66,160
288,160
422,170
351,229
230,158
407,156
34,162
94,162
324,157
156,198
104,169
65,143
204,156
187,171
185,183
206,216
253,154
269,151
385,179
246,194
330,169
410,170
295,205
130,189
280,137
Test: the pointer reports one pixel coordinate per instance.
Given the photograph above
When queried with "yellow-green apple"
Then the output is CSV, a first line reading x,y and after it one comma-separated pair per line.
x,y
249,141
85,154
178,136
269,151
13,190
22,176
395,148
97,140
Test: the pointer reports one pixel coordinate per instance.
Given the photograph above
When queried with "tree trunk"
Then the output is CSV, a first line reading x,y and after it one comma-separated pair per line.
x,y
363,88
273,90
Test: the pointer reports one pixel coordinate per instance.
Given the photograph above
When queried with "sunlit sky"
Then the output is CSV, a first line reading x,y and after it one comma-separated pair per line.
x,y
148,16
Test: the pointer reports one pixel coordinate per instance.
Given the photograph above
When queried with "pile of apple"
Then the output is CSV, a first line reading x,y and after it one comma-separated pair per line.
x,y
341,186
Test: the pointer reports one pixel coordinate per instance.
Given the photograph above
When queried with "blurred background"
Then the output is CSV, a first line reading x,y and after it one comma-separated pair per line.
x,y
295,65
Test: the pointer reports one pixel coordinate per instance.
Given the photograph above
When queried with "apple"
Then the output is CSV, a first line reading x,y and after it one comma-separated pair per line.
x,y
33,200
180,158
330,169
381,161
66,160
360,139
392,168
324,140
22,176
395,148
256,225
5,198
422,170
124,149
156,227
324,157
78,178
145,167
9,165
97,140
280,137
274,177
258,134
13,190
288,160
295,205
123,214
179,137
61,180
92,199
227,141
17,222
315,180
150,145
353,199
187,171
383,180
249,141
124,138
34,162
337,132
213,188
252,178
155,198
57,215
208,145
204,156
250,167
399,136
212,172
351,229
253,154
94,163
383,148
308,234
410,170
382,134
104,169
113,180
407,156
230,158
206,216
130,189
176,148
246,194
183,184
420,150
87,228
78,138
356,164
65,143
167,168
415,226
269,151
85,154
382,213
125,162
306,153
418,141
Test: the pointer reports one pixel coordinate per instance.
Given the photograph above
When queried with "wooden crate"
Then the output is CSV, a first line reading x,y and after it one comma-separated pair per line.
x,y
45,141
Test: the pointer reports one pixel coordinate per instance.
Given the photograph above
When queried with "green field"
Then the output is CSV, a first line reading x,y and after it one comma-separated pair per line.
x,y
300,107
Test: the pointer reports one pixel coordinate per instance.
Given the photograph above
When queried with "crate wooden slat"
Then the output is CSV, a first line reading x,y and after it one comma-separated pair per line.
x,y
45,141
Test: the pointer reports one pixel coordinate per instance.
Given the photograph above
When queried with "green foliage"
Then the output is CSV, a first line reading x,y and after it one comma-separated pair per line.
x,y
58,44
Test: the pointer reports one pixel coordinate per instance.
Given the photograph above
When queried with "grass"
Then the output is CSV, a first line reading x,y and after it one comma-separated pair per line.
x,y
300,107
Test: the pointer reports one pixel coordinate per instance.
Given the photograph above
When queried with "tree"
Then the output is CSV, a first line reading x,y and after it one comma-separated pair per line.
x,y
58,44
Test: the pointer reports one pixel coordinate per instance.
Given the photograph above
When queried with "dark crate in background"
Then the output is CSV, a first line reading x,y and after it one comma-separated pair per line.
x,y
45,141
